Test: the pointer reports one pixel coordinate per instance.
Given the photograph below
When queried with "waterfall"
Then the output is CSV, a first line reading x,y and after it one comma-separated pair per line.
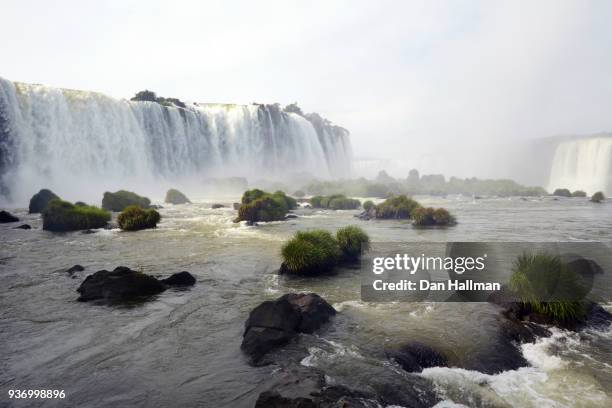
x,y
583,164
87,141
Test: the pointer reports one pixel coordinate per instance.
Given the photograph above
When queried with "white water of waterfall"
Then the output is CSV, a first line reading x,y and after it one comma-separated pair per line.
x,y
80,144
583,164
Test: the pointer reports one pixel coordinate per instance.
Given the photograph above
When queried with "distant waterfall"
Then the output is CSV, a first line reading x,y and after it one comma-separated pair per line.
x,y
53,137
583,164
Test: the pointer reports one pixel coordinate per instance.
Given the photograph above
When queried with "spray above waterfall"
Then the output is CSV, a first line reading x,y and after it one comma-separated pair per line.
x,y
53,137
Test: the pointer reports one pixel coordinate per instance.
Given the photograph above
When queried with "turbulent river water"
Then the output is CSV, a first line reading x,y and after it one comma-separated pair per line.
x,y
182,348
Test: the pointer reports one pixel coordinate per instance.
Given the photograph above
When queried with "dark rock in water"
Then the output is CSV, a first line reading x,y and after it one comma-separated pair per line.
x,y
523,332
290,216
156,207
120,284
275,323
313,309
75,268
597,317
6,217
23,227
236,206
415,356
39,201
173,196
215,206
180,279
305,388
90,231
501,353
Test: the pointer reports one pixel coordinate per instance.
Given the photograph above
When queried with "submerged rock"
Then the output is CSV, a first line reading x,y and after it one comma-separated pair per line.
x,y
415,356
125,284
6,217
120,284
180,279
39,201
275,323
23,227
75,268
215,206
290,216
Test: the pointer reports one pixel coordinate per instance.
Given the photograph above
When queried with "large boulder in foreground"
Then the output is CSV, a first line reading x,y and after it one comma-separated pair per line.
x,y
6,217
415,356
123,284
120,200
275,323
39,201
174,196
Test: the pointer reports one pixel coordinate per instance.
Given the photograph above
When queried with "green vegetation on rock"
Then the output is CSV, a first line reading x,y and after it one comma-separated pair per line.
x,y
64,216
352,241
120,200
562,192
134,218
335,202
396,207
598,197
429,216
258,205
368,205
39,201
317,252
579,193
174,196
547,286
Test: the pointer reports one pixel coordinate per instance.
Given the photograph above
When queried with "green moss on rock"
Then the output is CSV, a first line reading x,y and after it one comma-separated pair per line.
x,y
258,205
396,207
598,197
64,216
134,218
174,196
352,240
335,202
39,201
120,200
429,216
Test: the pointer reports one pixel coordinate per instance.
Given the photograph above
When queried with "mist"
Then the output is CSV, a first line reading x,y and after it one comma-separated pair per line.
x,y
446,87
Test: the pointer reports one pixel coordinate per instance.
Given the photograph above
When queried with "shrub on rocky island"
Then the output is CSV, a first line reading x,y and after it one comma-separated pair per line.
x,y
352,241
317,252
174,196
134,218
368,205
39,201
396,207
579,193
548,289
258,205
429,216
64,216
562,192
120,200
335,202
598,197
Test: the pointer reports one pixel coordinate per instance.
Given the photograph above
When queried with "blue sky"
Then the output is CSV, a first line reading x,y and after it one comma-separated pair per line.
x,y
409,79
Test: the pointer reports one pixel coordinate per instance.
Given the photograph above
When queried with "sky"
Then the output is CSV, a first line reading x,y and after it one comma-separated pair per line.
x,y
439,85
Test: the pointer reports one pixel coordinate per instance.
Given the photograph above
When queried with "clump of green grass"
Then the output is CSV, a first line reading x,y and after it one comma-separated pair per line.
x,y
545,285
396,207
310,253
62,215
429,216
335,202
258,205
352,241
134,218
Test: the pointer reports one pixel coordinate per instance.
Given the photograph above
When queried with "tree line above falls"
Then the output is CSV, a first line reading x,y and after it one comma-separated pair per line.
x,y
317,121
